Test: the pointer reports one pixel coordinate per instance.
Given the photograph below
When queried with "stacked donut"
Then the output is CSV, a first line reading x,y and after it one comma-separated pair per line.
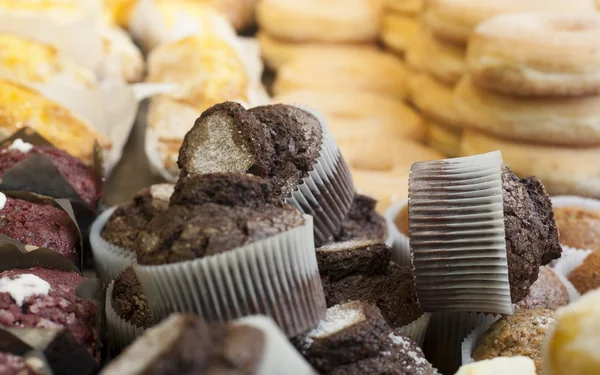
x,y
400,24
533,91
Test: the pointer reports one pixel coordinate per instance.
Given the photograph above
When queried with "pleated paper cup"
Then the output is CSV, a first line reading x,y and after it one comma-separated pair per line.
x,y
277,277
110,259
397,240
471,342
417,329
279,356
570,259
445,335
457,235
571,200
121,332
328,190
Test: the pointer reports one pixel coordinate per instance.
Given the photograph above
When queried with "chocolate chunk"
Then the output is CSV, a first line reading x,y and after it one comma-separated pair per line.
x,y
362,221
129,300
350,332
339,260
531,232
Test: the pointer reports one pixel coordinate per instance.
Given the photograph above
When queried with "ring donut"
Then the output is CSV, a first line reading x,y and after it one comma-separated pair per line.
x,y
320,20
454,20
565,171
398,31
550,54
559,121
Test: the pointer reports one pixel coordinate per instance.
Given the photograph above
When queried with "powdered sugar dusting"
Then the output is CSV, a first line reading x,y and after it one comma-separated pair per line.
x,y
337,318
21,146
23,286
162,191
347,245
409,348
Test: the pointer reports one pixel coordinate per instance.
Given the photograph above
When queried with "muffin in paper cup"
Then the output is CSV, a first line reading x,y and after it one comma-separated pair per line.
x,y
397,240
110,259
579,221
571,259
478,234
290,145
121,332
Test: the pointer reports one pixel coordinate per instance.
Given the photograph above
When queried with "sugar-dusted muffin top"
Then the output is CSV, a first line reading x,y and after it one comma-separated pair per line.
x,y
579,227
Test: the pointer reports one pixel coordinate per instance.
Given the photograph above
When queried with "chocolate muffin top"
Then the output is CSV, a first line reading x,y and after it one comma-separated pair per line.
x,y
579,227
401,221
531,232
124,224
129,300
40,225
278,142
388,286
81,176
11,364
195,230
362,222
548,292
521,334
586,277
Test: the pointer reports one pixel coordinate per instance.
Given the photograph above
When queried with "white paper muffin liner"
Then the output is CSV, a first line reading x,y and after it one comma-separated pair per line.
x,y
279,356
571,200
330,180
570,259
110,259
277,276
457,235
445,335
470,342
417,329
396,239
121,332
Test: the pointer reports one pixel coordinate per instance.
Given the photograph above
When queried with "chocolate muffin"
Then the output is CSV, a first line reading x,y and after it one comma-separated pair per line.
x,y
401,221
355,339
40,225
579,227
44,298
361,270
586,277
81,176
530,230
548,292
128,219
11,364
129,300
211,214
362,222
521,334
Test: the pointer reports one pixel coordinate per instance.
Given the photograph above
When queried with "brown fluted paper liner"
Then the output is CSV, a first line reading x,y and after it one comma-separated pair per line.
x,y
121,332
328,191
279,356
277,277
110,259
457,235
396,239
445,334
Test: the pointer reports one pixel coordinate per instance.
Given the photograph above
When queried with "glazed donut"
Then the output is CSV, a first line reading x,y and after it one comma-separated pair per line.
x,y
320,20
564,171
380,165
558,121
372,71
444,61
550,54
398,31
276,52
377,112
409,7
454,20
433,98
443,138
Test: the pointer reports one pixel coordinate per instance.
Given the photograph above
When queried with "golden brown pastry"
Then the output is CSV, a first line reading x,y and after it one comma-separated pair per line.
x,y
586,277
579,227
445,61
398,30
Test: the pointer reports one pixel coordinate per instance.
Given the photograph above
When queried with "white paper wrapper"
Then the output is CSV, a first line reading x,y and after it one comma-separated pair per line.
x,y
279,356
470,343
570,259
570,200
457,235
277,277
328,191
121,332
396,239
417,329
110,260
445,335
